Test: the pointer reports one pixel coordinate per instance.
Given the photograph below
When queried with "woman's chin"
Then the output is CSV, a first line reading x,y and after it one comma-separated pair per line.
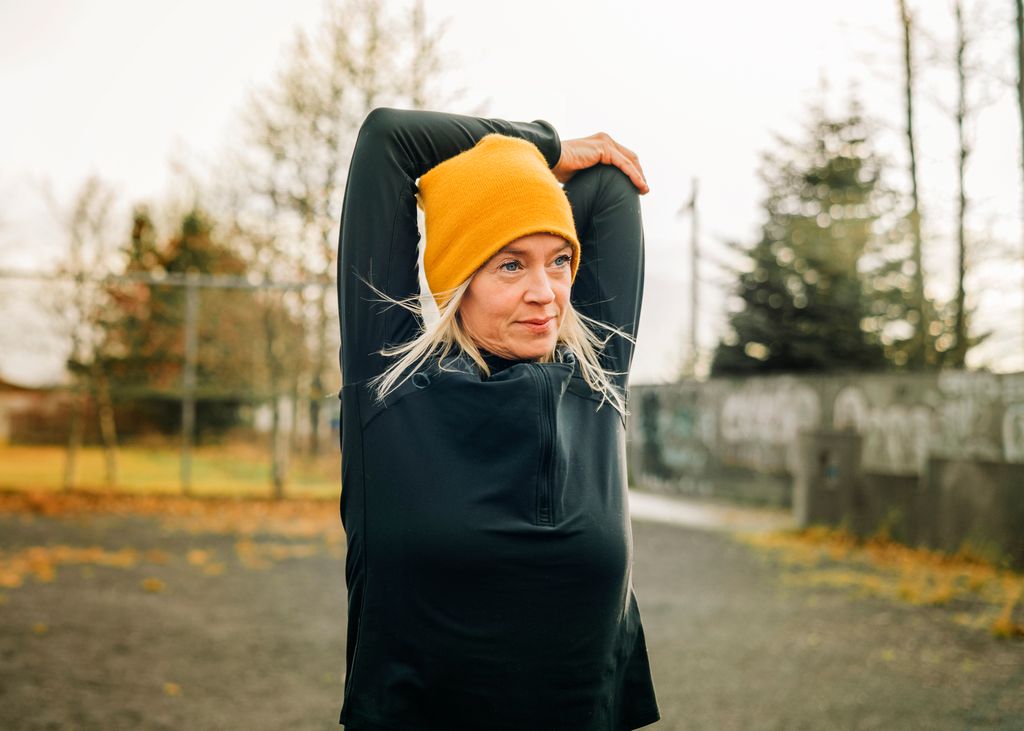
x,y
535,348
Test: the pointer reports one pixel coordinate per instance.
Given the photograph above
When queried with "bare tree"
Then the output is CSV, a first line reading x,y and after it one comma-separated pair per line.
x,y
958,353
917,310
289,177
82,310
962,56
1019,26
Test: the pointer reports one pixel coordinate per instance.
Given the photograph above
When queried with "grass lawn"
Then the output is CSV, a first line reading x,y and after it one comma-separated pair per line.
x,y
232,470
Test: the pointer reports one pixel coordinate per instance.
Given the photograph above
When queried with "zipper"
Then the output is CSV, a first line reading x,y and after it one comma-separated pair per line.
x,y
547,429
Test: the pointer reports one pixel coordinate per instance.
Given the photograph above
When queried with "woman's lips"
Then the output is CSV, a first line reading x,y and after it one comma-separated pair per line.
x,y
535,326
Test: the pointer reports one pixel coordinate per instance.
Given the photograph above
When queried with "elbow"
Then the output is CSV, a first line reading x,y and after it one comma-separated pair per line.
x,y
379,123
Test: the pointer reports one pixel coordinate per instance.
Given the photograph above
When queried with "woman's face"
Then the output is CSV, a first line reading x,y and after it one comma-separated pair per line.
x,y
516,302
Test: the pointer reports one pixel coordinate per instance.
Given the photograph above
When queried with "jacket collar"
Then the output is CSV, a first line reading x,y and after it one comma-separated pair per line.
x,y
500,363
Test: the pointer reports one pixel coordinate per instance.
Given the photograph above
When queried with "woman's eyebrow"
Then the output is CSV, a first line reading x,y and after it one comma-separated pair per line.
x,y
563,247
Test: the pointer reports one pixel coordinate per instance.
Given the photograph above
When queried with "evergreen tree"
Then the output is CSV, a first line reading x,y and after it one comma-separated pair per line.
x,y
802,297
147,334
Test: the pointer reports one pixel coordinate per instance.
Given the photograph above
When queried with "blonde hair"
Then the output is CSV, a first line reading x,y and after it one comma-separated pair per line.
x,y
447,336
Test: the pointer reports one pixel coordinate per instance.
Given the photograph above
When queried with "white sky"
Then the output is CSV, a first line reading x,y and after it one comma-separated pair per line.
x,y
123,88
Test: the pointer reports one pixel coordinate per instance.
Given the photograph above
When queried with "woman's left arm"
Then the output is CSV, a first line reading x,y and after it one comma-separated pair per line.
x,y
603,182
379,235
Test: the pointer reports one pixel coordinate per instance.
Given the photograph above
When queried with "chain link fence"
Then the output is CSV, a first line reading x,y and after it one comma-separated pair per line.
x,y
181,382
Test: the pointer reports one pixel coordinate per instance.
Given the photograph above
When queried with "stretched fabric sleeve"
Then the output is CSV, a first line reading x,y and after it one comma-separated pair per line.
x,y
610,281
379,237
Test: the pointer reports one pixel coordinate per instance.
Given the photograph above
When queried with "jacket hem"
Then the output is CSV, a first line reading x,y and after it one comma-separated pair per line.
x,y
358,722
646,718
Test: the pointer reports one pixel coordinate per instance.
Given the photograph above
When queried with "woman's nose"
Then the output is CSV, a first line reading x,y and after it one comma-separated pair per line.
x,y
539,288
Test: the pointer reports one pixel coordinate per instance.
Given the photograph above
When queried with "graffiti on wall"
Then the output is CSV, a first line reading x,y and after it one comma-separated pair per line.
x,y
1013,432
676,434
969,407
904,419
895,434
759,421
1012,423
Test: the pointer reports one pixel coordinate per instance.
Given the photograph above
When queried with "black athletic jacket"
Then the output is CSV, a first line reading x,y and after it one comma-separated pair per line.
x,y
489,564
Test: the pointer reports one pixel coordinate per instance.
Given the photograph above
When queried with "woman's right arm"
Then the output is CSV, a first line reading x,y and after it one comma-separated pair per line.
x,y
379,237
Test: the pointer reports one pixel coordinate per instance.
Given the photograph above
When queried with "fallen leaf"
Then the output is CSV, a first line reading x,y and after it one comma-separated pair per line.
x,y
153,585
197,557
172,688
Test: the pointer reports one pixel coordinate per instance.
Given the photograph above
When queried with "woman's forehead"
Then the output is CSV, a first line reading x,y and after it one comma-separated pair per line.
x,y
535,242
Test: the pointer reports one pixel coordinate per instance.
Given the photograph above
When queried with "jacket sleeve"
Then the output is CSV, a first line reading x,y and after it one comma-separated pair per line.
x,y
379,238
610,282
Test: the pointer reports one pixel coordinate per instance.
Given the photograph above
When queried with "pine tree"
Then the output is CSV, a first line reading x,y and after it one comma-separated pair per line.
x,y
145,337
802,297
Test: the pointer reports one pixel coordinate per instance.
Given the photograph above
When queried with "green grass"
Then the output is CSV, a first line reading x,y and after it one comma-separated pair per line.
x,y
240,469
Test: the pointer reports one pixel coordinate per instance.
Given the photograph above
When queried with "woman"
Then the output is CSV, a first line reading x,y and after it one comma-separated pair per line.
x,y
489,564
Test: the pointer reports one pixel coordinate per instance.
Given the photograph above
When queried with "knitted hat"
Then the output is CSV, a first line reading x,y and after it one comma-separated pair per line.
x,y
476,202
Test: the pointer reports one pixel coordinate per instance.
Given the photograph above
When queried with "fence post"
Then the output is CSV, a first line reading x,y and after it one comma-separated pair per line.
x,y
188,385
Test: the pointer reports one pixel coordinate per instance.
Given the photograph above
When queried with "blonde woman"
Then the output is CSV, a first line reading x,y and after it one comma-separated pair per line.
x,y
484,496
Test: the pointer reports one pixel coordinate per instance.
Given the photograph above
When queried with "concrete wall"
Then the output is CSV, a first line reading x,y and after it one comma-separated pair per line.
x,y
969,505
736,437
974,504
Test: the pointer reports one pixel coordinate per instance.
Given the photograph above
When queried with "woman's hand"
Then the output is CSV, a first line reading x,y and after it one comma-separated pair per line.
x,y
586,152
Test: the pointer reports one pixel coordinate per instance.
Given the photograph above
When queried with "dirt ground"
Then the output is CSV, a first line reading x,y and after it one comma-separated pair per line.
x,y
233,618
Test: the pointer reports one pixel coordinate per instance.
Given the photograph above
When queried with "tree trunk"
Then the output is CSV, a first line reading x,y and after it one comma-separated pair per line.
x,y
319,364
277,471
1020,106
958,353
108,427
917,358
277,439
296,396
74,435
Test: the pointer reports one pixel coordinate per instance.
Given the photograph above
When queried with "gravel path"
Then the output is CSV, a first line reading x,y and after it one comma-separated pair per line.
x,y
217,630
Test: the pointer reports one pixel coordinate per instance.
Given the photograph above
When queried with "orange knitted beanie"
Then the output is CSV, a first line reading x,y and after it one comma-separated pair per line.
x,y
476,202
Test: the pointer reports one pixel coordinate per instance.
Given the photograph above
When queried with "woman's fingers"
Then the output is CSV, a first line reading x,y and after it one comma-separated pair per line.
x,y
628,153
585,152
632,157
629,166
625,159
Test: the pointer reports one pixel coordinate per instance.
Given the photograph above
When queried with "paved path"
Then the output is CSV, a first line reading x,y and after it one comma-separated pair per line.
x,y
213,630
653,507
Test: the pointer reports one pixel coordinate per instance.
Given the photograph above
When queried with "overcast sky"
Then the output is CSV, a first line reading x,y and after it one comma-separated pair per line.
x,y
124,88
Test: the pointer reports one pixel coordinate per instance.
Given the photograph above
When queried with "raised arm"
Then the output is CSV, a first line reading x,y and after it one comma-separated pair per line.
x,y
610,282
604,181
379,236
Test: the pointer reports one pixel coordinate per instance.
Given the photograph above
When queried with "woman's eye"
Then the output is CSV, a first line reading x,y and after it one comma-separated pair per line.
x,y
512,265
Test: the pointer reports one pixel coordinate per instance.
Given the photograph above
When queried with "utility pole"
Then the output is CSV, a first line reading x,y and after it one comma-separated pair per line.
x,y
690,362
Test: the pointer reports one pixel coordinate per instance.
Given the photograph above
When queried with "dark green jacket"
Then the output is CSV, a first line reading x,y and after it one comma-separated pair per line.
x,y
489,564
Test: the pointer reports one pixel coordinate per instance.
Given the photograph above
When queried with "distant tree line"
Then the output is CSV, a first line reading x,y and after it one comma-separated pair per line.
x,y
270,212
836,280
